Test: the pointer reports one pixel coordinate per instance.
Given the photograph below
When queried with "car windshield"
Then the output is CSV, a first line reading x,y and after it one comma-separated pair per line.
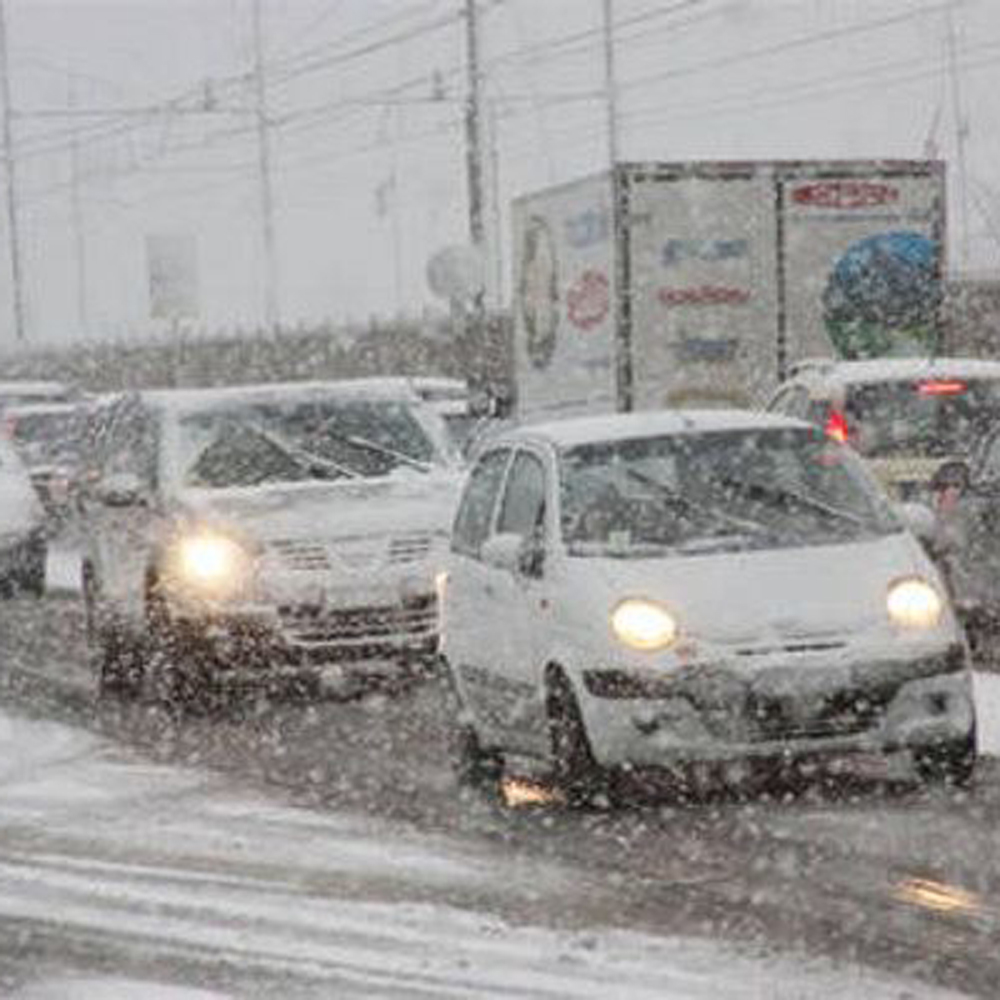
x,y
927,418
251,444
724,491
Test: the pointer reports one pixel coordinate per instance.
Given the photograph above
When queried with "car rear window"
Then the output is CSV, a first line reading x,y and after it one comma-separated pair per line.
x,y
925,418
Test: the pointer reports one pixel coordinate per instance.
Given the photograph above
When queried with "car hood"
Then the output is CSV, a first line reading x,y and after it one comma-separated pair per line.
x,y
757,598
296,511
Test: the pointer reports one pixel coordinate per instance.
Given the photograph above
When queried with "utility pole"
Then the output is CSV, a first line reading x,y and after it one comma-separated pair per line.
x,y
961,134
474,165
13,238
271,307
76,213
610,82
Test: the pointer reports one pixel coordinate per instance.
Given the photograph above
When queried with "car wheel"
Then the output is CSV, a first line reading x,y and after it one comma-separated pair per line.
x,y
575,770
948,763
474,766
33,575
120,666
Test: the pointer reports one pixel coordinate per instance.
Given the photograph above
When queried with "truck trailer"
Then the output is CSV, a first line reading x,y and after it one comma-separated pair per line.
x,y
658,285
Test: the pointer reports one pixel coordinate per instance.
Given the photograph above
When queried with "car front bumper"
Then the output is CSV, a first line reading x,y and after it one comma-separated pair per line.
x,y
338,646
882,706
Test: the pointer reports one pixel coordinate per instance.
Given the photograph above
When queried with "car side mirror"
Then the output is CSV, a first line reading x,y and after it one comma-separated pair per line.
x,y
514,553
919,519
121,489
503,551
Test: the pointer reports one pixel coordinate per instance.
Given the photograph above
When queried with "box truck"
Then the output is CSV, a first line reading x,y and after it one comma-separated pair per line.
x,y
679,284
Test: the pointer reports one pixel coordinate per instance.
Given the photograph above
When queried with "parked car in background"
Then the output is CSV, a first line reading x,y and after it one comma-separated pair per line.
x,y
22,533
694,592
906,416
49,437
259,534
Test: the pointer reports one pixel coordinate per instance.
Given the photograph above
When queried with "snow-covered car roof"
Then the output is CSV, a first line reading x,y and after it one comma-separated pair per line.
x,y
894,369
621,426
204,399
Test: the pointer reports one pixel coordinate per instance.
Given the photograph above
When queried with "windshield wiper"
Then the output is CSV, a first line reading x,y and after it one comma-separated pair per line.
x,y
306,459
719,516
802,499
380,449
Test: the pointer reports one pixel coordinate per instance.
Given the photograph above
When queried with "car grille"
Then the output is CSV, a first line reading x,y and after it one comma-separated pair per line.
x,y
309,556
839,713
314,625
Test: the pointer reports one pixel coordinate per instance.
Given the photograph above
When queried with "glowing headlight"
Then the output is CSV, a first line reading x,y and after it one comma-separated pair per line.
x,y
211,562
643,625
914,603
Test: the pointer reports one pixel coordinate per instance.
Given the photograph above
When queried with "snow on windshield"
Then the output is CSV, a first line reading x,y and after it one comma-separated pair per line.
x,y
254,444
767,488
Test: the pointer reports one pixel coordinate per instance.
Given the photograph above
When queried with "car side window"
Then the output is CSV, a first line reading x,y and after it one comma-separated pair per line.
x,y
475,512
523,509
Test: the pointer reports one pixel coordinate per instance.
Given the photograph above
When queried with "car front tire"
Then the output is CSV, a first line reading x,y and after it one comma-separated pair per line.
x,y
948,763
575,770
475,767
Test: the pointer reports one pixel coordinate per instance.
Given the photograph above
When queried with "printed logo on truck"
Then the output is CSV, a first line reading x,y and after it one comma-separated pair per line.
x,y
677,251
588,300
883,295
703,295
844,194
539,291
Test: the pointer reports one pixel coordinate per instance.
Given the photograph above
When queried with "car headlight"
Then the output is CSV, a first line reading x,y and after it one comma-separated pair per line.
x,y
643,625
211,563
914,603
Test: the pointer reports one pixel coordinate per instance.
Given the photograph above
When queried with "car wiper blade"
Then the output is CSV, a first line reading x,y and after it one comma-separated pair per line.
x,y
719,516
305,458
380,449
803,499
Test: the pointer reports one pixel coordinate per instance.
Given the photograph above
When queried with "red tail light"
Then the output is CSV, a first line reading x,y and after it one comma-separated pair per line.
x,y
942,387
836,426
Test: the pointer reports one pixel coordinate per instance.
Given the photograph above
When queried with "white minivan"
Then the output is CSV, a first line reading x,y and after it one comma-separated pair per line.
x,y
684,591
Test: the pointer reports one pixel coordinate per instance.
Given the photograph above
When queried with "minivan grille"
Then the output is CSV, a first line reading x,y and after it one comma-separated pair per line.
x,y
311,556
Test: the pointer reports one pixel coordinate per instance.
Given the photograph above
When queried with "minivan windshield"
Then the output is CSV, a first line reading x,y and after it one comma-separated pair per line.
x,y
252,444
718,491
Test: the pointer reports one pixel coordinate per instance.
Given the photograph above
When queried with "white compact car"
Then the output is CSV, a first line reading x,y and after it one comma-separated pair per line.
x,y
266,533
690,590
22,528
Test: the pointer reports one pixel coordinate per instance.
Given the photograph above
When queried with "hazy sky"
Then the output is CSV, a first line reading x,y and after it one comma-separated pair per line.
x,y
366,101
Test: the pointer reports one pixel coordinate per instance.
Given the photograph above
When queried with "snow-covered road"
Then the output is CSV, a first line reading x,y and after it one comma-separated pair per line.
x,y
179,877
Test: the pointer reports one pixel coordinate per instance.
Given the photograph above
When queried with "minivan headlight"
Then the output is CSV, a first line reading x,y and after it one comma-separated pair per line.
x,y
211,563
643,625
914,603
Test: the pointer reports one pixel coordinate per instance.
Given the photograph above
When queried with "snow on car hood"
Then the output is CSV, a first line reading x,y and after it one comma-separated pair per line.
x,y
754,597
416,502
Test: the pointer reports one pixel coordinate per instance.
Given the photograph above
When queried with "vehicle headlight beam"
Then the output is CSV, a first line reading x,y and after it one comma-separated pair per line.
x,y
643,625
